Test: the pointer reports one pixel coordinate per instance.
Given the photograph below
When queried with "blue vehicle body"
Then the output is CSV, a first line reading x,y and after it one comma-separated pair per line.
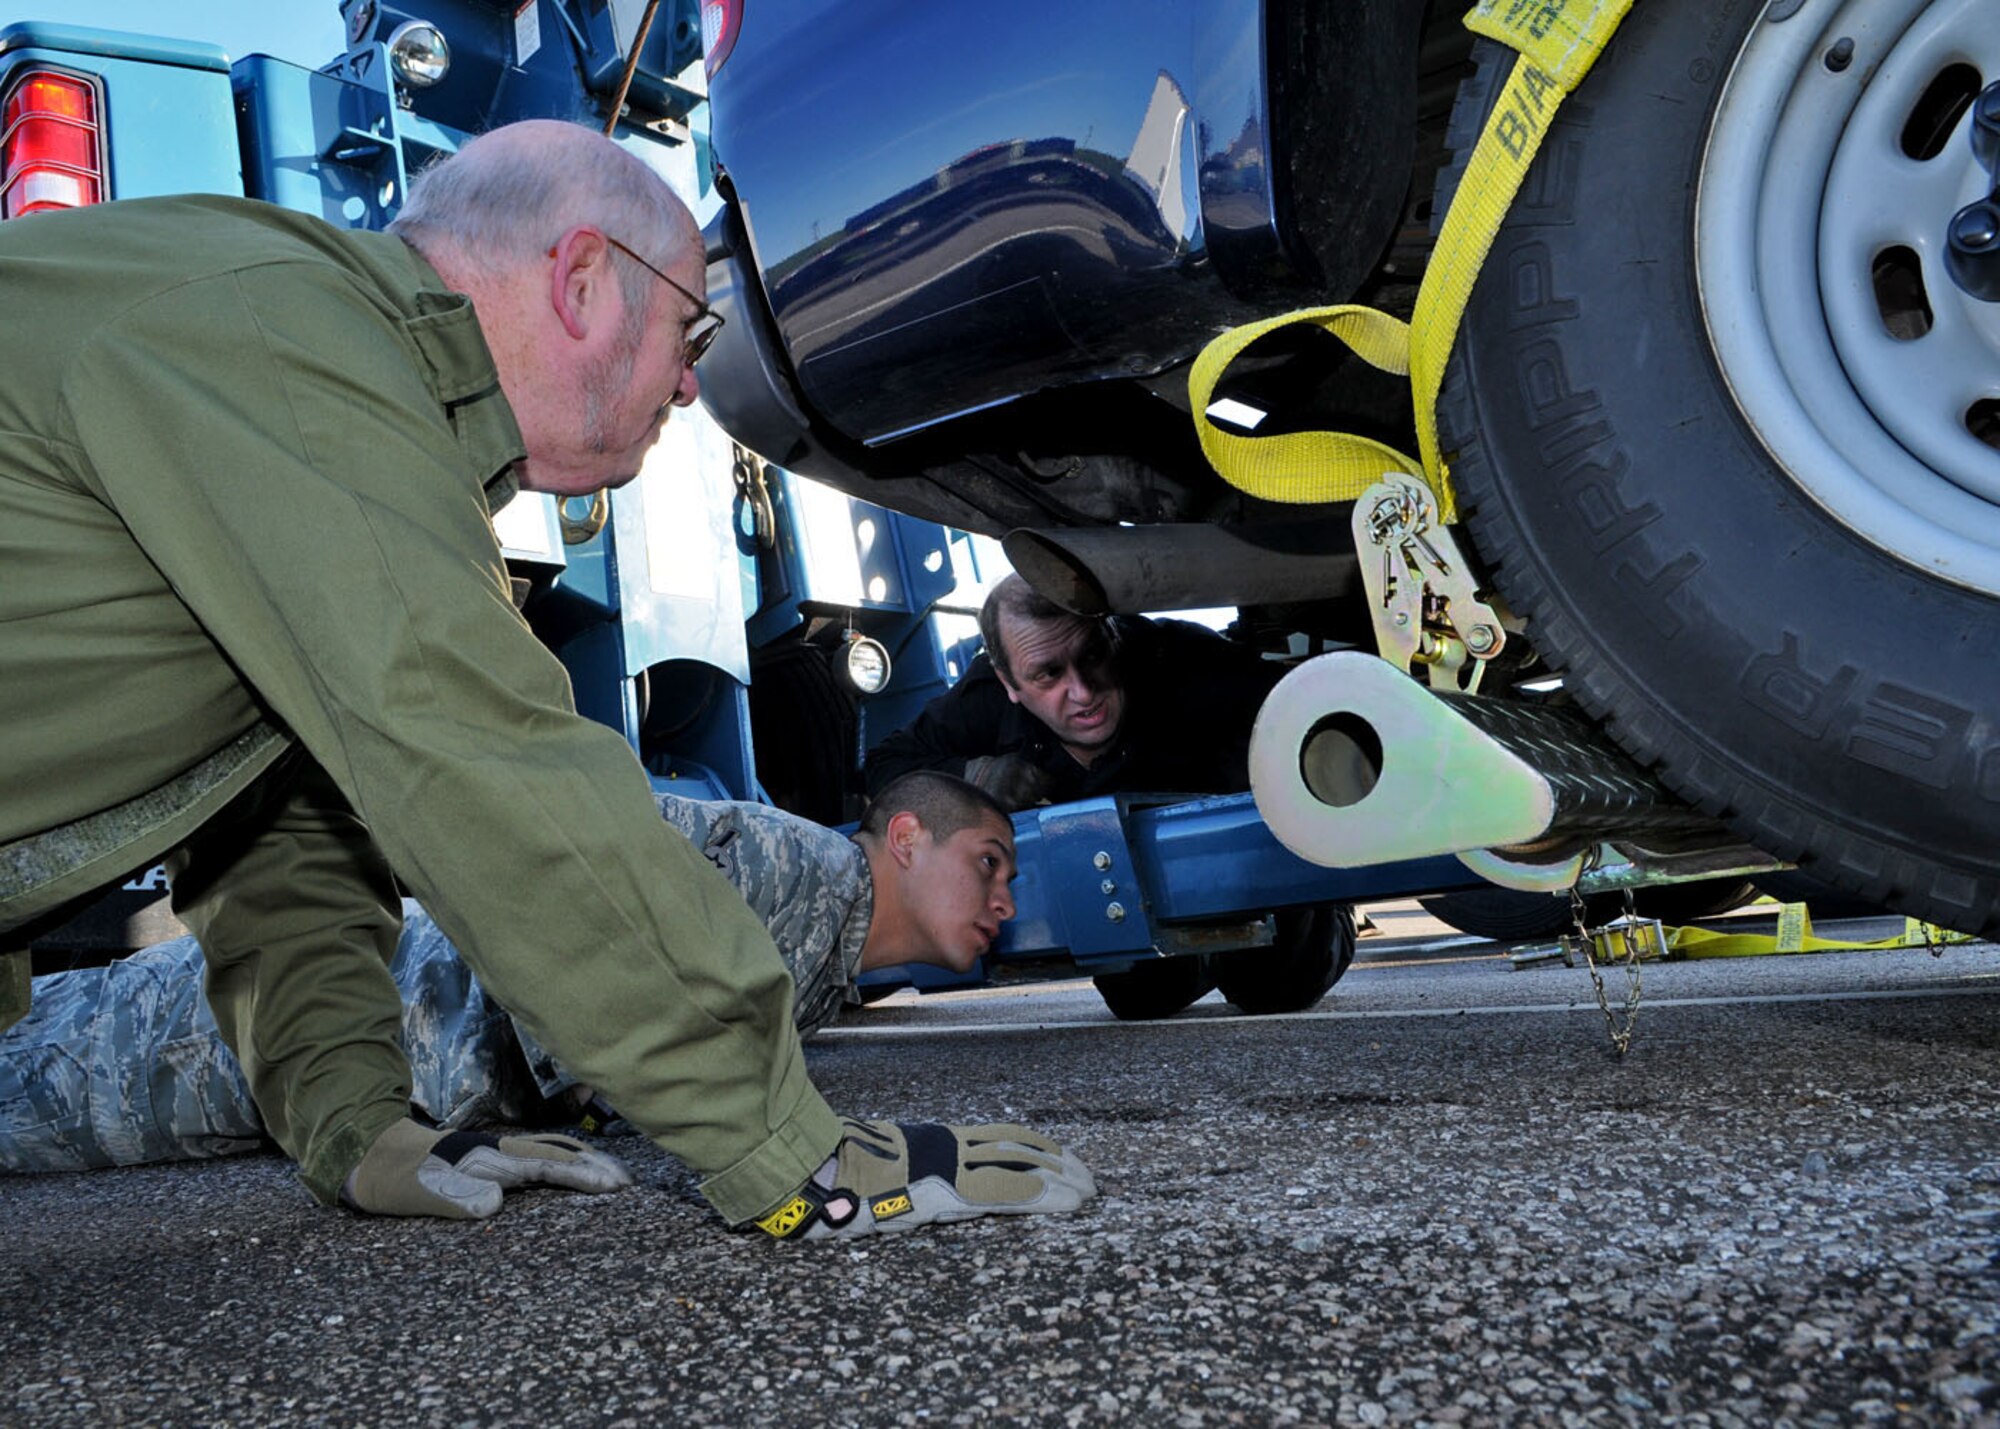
x,y
1102,159
973,286
1070,192
690,611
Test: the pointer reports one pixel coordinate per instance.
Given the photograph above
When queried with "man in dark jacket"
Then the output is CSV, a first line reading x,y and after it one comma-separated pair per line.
x,y
1064,707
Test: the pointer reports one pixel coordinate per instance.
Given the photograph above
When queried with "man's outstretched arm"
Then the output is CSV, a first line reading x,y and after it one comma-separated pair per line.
x,y
968,721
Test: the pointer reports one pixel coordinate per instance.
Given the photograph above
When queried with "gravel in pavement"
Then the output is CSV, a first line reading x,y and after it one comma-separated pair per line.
x,y
1767,1213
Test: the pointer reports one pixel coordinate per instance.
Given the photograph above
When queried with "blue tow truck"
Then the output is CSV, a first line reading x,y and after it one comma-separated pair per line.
x,y
750,632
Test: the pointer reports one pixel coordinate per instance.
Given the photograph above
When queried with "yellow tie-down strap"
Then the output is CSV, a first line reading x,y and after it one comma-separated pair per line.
x,y
1558,41
1794,934
1302,467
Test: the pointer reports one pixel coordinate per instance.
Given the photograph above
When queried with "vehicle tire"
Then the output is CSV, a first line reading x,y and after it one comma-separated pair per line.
x,y
1784,604
1501,915
1505,915
1675,903
1154,990
803,726
1313,947
1821,902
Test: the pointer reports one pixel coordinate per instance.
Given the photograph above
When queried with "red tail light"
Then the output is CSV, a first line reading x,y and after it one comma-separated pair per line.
x,y
51,144
720,20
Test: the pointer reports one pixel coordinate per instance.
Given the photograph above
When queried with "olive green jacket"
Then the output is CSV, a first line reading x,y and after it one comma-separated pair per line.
x,y
247,467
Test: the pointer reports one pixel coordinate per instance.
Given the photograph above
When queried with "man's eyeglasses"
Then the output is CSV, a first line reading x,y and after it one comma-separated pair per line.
x,y
698,332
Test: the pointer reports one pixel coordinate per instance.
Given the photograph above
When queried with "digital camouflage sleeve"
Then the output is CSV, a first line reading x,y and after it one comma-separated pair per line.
x,y
121,1065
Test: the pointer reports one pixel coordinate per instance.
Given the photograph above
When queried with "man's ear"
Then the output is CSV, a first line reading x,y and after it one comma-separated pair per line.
x,y
1013,695
581,280
902,835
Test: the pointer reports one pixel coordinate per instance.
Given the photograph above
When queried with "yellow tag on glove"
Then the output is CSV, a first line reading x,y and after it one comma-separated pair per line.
x,y
889,1207
787,1218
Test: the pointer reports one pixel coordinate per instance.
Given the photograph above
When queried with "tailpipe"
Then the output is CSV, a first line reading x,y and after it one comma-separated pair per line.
x,y
1354,763
1128,570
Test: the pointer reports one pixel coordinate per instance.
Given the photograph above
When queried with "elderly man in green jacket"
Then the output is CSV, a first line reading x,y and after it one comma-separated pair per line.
x,y
253,611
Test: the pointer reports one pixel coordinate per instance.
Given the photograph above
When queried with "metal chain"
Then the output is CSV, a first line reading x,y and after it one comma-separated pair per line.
x,y
1618,1024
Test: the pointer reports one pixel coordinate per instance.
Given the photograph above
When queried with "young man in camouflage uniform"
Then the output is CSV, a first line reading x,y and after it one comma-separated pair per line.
x,y
122,1065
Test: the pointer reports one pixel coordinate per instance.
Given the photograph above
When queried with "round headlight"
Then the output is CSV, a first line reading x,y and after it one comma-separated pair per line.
x,y
418,53
865,663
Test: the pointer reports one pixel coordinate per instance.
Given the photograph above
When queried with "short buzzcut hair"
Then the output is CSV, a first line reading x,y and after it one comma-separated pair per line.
x,y
943,803
1012,596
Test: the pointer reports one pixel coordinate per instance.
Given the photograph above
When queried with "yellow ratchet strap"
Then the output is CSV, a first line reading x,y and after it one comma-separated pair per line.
x,y
1558,41
1649,941
1795,935
1302,467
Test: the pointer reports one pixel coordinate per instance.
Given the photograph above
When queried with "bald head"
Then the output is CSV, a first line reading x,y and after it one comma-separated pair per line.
x,y
509,194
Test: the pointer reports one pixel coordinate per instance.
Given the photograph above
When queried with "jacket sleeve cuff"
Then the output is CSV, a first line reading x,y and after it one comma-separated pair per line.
x,y
771,1172
15,968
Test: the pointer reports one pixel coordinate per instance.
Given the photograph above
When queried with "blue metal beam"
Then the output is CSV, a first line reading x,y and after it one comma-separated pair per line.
x,y
1101,876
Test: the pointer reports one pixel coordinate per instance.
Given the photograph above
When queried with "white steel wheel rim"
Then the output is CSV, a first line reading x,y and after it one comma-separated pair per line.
x,y
1802,184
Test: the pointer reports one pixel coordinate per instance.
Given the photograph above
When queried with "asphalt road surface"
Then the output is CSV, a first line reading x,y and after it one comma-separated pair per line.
x,y
1438,1199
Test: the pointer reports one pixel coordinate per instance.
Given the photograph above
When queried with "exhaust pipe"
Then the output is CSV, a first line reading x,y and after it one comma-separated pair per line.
x,y
1127,570
1354,763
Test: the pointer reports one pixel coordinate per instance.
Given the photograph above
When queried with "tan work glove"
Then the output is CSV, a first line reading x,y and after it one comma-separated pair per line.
x,y
888,1176
412,1170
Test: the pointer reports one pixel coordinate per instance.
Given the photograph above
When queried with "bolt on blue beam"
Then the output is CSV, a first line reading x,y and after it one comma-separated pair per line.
x,y
1078,890
1098,876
